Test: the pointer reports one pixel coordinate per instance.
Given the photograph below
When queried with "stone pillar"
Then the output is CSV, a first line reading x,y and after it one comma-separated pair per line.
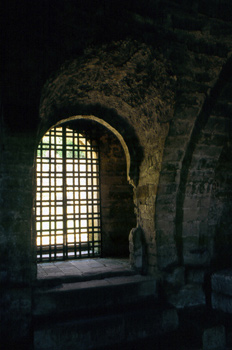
x,y
15,234
137,249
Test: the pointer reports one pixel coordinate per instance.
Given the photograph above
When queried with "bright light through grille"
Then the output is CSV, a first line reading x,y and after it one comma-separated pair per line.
x,y
67,196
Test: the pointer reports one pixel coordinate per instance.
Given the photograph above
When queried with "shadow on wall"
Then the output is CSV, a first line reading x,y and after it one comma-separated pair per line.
x,y
223,207
223,239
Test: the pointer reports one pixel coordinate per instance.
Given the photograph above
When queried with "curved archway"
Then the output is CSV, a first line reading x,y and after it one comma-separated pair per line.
x,y
110,128
67,211
109,119
187,179
133,99
117,209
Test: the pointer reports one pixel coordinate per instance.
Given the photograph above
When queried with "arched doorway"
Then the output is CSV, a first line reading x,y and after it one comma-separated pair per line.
x,y
84,203
67,196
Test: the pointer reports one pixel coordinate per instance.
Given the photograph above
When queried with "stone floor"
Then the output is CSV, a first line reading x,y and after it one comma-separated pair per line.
x,y
83,269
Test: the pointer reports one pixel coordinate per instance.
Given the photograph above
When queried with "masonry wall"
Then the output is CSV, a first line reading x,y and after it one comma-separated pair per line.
x,y
17,260
159,75
117,205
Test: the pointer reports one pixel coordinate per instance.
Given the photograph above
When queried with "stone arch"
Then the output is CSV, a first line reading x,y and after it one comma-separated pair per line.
x,y
125,84
128,209
191,155
128,87
111,129
110,119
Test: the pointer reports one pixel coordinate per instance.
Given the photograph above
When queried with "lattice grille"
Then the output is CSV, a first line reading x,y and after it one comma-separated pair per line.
x,y
67,196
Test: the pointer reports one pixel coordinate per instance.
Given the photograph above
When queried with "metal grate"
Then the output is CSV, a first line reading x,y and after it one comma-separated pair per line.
x,y
67,196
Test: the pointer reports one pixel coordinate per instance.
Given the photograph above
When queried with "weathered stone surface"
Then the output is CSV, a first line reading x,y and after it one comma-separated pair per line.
x,y
117,209
196,276
193,254
176,278
214,338
16,318
222,302
170,320
161,77
108,330
188,296
91,295
222,282
167,255
137,247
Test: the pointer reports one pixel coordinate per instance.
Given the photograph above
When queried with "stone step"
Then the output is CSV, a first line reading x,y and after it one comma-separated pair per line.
x,y
89,275
111,328
82,297
100,313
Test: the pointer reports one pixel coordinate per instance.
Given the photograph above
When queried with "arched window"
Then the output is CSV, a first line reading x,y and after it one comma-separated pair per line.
x,y
67,215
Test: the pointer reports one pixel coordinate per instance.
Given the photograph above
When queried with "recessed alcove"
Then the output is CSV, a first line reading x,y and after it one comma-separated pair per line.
x,y
115,217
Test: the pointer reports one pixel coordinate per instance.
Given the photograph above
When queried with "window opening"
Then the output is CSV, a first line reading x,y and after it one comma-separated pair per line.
x,y
67,214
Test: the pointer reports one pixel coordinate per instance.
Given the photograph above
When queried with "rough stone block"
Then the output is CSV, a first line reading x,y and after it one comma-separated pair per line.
x,y
167,256
171,166
142,193
137,248
174,143
169,177
174,153
152,269
222,302
193,254
214,338
170,320
189,295
165,238
164,224
191,202
216,123
196,276
229,336
197,177
177,277
222,282
208,138
168,189
190,214
15,308
190,229
70,335
181,127
212,151
182,110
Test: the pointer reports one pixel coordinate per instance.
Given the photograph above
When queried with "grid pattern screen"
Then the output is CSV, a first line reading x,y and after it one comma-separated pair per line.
x,y
67,209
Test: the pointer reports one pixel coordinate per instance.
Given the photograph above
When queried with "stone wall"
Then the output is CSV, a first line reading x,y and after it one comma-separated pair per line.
x,y
127,85
187,189
17,261
160,75
117,206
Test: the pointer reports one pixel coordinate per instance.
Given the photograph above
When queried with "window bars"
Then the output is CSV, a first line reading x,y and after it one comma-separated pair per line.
x,y
67,196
